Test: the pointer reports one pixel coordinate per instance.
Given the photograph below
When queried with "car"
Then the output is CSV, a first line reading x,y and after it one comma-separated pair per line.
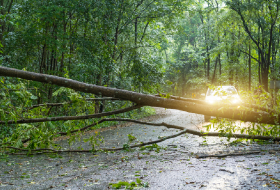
x,y
222,95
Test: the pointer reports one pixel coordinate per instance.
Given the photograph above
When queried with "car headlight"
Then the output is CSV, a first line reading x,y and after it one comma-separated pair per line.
x,y
211,100
235,100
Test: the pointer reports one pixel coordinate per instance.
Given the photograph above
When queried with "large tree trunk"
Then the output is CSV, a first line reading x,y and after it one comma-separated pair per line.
x,y
143,99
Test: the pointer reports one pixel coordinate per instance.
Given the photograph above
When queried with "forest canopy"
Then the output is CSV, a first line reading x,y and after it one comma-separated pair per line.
x,y
144,45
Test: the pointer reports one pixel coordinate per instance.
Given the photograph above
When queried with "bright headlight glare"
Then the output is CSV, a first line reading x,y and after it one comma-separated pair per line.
x,y
236,100
211,100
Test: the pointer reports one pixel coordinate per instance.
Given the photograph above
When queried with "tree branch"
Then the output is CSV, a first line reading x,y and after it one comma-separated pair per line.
x,y
66,118
245,25
249,55
144,31
194,132
241,153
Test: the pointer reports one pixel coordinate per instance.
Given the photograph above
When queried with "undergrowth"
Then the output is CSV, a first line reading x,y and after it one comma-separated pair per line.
x,y
17,101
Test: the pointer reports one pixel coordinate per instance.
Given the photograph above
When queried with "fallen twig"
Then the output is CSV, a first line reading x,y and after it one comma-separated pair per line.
x,y
225,155
226,171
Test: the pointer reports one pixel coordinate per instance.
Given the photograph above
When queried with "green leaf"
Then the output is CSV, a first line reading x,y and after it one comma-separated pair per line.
x,y
139,181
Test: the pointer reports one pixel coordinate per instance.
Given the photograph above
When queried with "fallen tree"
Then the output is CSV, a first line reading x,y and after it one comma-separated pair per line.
x,y
147,100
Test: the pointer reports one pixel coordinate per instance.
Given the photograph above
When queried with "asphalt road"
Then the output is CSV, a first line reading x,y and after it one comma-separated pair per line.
x,y
171,165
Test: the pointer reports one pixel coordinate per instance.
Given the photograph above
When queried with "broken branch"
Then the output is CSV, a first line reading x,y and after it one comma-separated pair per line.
x,y
66,118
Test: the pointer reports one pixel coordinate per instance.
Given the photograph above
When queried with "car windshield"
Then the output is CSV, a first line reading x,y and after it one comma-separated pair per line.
x,y
222,91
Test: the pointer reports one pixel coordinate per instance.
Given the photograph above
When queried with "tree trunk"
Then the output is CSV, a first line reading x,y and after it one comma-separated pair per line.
x,y
220,65
213,78
208,64
249,64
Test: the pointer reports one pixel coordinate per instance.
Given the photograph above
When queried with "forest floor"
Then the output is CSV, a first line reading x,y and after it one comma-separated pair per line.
x,y
174,164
